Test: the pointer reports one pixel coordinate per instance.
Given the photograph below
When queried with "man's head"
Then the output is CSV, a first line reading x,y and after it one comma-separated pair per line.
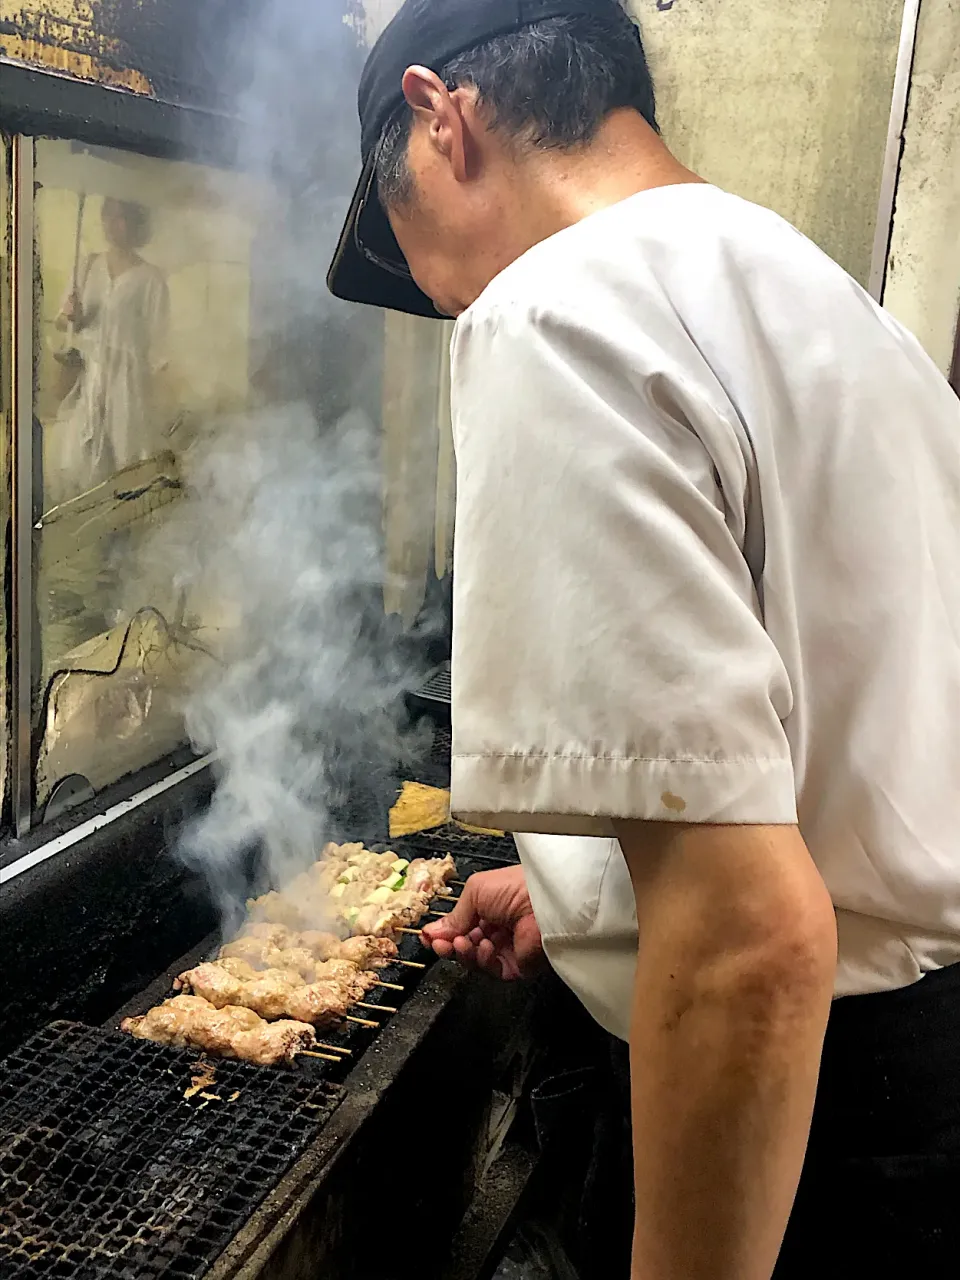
x,y
475,156
126,224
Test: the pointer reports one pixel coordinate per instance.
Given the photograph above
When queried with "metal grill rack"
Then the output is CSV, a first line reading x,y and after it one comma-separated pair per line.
x,y
467,847
436,687
108,1170
433,695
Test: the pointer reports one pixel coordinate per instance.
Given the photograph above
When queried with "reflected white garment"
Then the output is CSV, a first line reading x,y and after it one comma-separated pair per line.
x,y
110,418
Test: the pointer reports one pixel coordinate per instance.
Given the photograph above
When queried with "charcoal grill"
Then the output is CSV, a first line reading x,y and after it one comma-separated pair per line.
x,y
433,695
109,1169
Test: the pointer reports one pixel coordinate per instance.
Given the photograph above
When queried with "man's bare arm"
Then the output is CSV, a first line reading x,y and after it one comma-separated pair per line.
x,y
735,976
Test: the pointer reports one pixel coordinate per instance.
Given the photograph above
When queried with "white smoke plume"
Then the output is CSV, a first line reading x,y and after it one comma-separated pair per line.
x,y
280,540
278,545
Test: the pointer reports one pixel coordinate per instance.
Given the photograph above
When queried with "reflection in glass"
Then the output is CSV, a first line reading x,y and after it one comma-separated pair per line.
x,y
142,299
116,318
164,292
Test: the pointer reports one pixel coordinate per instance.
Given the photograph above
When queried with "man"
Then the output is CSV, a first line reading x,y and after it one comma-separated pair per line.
x,y
706,605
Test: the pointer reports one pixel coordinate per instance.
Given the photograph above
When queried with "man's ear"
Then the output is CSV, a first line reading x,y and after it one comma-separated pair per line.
x,y
435,107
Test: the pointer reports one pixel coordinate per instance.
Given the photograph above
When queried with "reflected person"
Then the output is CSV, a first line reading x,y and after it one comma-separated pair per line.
x,y
111,415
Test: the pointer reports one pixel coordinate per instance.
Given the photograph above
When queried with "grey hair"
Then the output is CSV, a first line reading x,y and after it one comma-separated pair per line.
x,y
550,85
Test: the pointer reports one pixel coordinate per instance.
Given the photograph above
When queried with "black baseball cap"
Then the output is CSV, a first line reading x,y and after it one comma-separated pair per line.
x,y
368,265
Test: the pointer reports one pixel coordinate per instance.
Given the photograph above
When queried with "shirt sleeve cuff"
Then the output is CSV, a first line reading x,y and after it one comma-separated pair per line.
x,y
585,795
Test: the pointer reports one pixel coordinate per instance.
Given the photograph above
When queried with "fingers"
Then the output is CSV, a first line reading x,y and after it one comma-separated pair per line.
x,y
493,954
479,932
460,921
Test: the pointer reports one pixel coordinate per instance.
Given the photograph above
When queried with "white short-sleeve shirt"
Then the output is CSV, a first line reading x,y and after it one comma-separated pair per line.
x,y
707,569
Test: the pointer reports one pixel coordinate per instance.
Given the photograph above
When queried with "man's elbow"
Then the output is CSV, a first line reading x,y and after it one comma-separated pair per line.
x,y
791,964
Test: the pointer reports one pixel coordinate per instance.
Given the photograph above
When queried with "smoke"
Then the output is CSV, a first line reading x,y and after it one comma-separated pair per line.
x,y
278,546
278,543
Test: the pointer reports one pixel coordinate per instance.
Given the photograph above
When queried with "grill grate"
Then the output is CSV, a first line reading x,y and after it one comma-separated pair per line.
x,y
106,1170
436,687
108,1173
466,847
441,746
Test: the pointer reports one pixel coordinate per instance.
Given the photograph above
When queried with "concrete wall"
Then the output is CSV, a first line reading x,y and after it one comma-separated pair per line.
x,y
785,104
923,268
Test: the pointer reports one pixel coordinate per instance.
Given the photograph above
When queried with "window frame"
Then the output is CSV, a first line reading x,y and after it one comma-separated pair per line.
x,y
20,565
37,104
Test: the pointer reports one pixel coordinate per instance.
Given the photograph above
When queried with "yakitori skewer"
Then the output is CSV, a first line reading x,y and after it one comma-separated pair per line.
x,y
409,964
334,1048
391,986
363,1022
377,1008
327,1057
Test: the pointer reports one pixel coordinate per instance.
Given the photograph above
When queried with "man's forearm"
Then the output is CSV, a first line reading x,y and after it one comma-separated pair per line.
x,y
727,1029
723,1087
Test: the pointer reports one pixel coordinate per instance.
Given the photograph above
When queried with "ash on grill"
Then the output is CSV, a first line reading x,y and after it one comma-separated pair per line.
x,y
107,1169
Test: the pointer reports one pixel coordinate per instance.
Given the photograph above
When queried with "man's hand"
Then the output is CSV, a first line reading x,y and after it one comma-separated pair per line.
x,y
71,312
735,973
492,927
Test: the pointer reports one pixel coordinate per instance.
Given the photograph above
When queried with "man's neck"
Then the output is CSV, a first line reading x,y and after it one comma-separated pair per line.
x,y
559,188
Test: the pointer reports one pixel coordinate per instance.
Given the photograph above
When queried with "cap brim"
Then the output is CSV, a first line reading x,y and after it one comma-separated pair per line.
x,y
354,275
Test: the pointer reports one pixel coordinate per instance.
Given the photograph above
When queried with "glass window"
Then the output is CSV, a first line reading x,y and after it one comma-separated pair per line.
x,y
142,300
6,422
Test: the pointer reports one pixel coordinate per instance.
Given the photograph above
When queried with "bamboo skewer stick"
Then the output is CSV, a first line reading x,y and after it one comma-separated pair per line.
x,y
410,964
391,986
335,1048
413,932
377,1008
309,1053
462,883
363,1022
438,914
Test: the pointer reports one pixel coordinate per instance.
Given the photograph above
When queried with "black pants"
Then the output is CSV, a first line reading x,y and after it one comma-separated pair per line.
x,y
880,1192
879,1197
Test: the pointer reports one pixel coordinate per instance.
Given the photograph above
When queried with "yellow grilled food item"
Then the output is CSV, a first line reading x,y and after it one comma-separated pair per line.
x,y
422,808
477,831
419,808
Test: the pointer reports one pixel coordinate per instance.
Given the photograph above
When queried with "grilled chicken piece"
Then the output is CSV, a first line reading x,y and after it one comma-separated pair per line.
x,y
366,951
245,948
343,881
363,951
275,908
238,968
291,957
262,953
403,910
430,875
276,935
275,993
355,982
323,946
189,1021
